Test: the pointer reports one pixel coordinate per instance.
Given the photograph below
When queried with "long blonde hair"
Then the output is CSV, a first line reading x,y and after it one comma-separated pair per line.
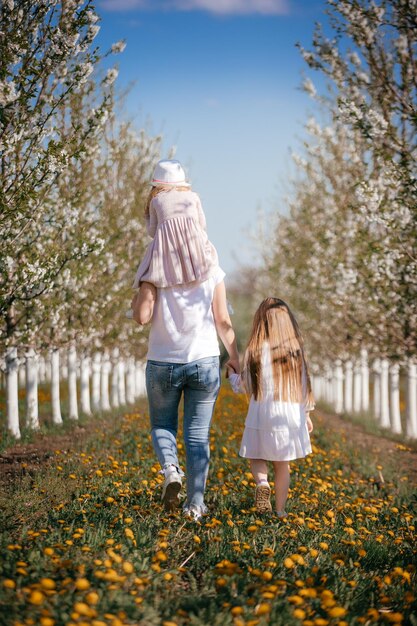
x,y
158,189
275,325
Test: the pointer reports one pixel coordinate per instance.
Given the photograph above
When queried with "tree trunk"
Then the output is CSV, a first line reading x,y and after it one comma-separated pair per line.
x,y
395,398
12,392
130,381
376,367
348,386
105,372
85,385
32,413
339,387
48,367
357,387
365,380
41,369
72,383
140,379
121,381
412,399
64,368
385,416
21,376
96,381
55,394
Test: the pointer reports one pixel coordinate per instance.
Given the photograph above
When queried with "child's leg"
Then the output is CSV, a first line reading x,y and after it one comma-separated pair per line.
x,y
282,484
259,470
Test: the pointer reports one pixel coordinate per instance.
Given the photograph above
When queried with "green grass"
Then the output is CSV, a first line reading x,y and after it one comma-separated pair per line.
x,y
85,540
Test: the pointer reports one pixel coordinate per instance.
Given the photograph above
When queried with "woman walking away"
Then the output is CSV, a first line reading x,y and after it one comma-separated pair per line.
x,y
278,423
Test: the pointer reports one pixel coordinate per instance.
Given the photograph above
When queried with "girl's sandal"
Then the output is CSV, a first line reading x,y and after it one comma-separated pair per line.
x,y
281,514
262,499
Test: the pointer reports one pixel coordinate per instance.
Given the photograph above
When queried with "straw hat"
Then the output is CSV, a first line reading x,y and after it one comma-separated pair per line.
x,y
169,172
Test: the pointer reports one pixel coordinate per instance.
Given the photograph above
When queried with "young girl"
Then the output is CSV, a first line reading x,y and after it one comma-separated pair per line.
x,y
180,252
278,424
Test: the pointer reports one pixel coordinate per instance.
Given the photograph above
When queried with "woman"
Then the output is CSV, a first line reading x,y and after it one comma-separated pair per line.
x,y
183,359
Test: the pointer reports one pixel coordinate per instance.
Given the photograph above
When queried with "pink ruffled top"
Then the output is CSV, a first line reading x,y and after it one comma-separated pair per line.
x,y
180,251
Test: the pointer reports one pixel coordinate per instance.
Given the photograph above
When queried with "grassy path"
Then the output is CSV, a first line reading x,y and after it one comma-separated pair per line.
x,y
86,541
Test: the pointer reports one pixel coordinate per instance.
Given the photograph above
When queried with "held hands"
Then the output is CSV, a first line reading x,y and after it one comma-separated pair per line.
x,y
232,367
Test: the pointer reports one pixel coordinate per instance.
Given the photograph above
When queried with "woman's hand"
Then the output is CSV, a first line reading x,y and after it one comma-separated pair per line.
x,y
232,365
309,424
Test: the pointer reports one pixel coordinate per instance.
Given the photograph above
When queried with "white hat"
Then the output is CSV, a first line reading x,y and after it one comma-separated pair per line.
x,y
169,172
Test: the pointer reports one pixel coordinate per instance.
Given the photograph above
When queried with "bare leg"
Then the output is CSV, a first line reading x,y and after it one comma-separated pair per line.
x,y
282,484
263,492
259,470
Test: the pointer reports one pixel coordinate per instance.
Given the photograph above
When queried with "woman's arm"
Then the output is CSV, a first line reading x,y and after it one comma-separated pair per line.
x,y
143,303
224,326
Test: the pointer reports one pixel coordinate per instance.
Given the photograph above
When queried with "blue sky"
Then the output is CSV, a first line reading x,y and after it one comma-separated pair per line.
x,y
219,79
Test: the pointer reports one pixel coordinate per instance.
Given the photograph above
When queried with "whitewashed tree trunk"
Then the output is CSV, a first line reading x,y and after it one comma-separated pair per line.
x,y
72,383
48,368
85,384
376,368
115,379
339,387
12,392
121,366
32,412
21,375
130,381
55,394
365,380
395,398
64,367
384,388
348,386
357,387
140,379
412,399
95,382
41,369
105,372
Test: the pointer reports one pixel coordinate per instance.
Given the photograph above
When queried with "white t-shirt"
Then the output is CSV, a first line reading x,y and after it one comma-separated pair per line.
x,y
183,328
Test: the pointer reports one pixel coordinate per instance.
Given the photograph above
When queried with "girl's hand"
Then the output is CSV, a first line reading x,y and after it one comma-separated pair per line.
x,y
309,424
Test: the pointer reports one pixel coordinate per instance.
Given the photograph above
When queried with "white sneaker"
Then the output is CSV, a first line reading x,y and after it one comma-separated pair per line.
x,y
195,512
171,487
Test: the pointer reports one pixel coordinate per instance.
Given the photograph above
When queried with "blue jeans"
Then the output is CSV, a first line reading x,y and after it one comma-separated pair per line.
x,y
200,383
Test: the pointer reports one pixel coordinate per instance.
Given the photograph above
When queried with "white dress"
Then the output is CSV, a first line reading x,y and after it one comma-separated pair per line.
x,y
275,430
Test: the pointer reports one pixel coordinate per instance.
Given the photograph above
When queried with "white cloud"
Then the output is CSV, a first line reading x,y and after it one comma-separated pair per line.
x,y
219,7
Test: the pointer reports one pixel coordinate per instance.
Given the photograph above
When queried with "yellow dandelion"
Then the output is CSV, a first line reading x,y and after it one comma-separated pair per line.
x,y
299,614
262,609
127,567
337,611
47,583
82,584
92,597
9,584
36,598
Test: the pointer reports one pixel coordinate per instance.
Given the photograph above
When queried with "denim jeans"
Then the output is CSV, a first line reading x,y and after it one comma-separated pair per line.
x,y
200,383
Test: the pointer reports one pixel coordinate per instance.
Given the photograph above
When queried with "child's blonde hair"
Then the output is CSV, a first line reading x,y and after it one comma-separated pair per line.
x,y
275,325
157,189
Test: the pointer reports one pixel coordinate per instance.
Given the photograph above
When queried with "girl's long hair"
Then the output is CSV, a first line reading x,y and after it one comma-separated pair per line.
x,y
155,190
275,325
